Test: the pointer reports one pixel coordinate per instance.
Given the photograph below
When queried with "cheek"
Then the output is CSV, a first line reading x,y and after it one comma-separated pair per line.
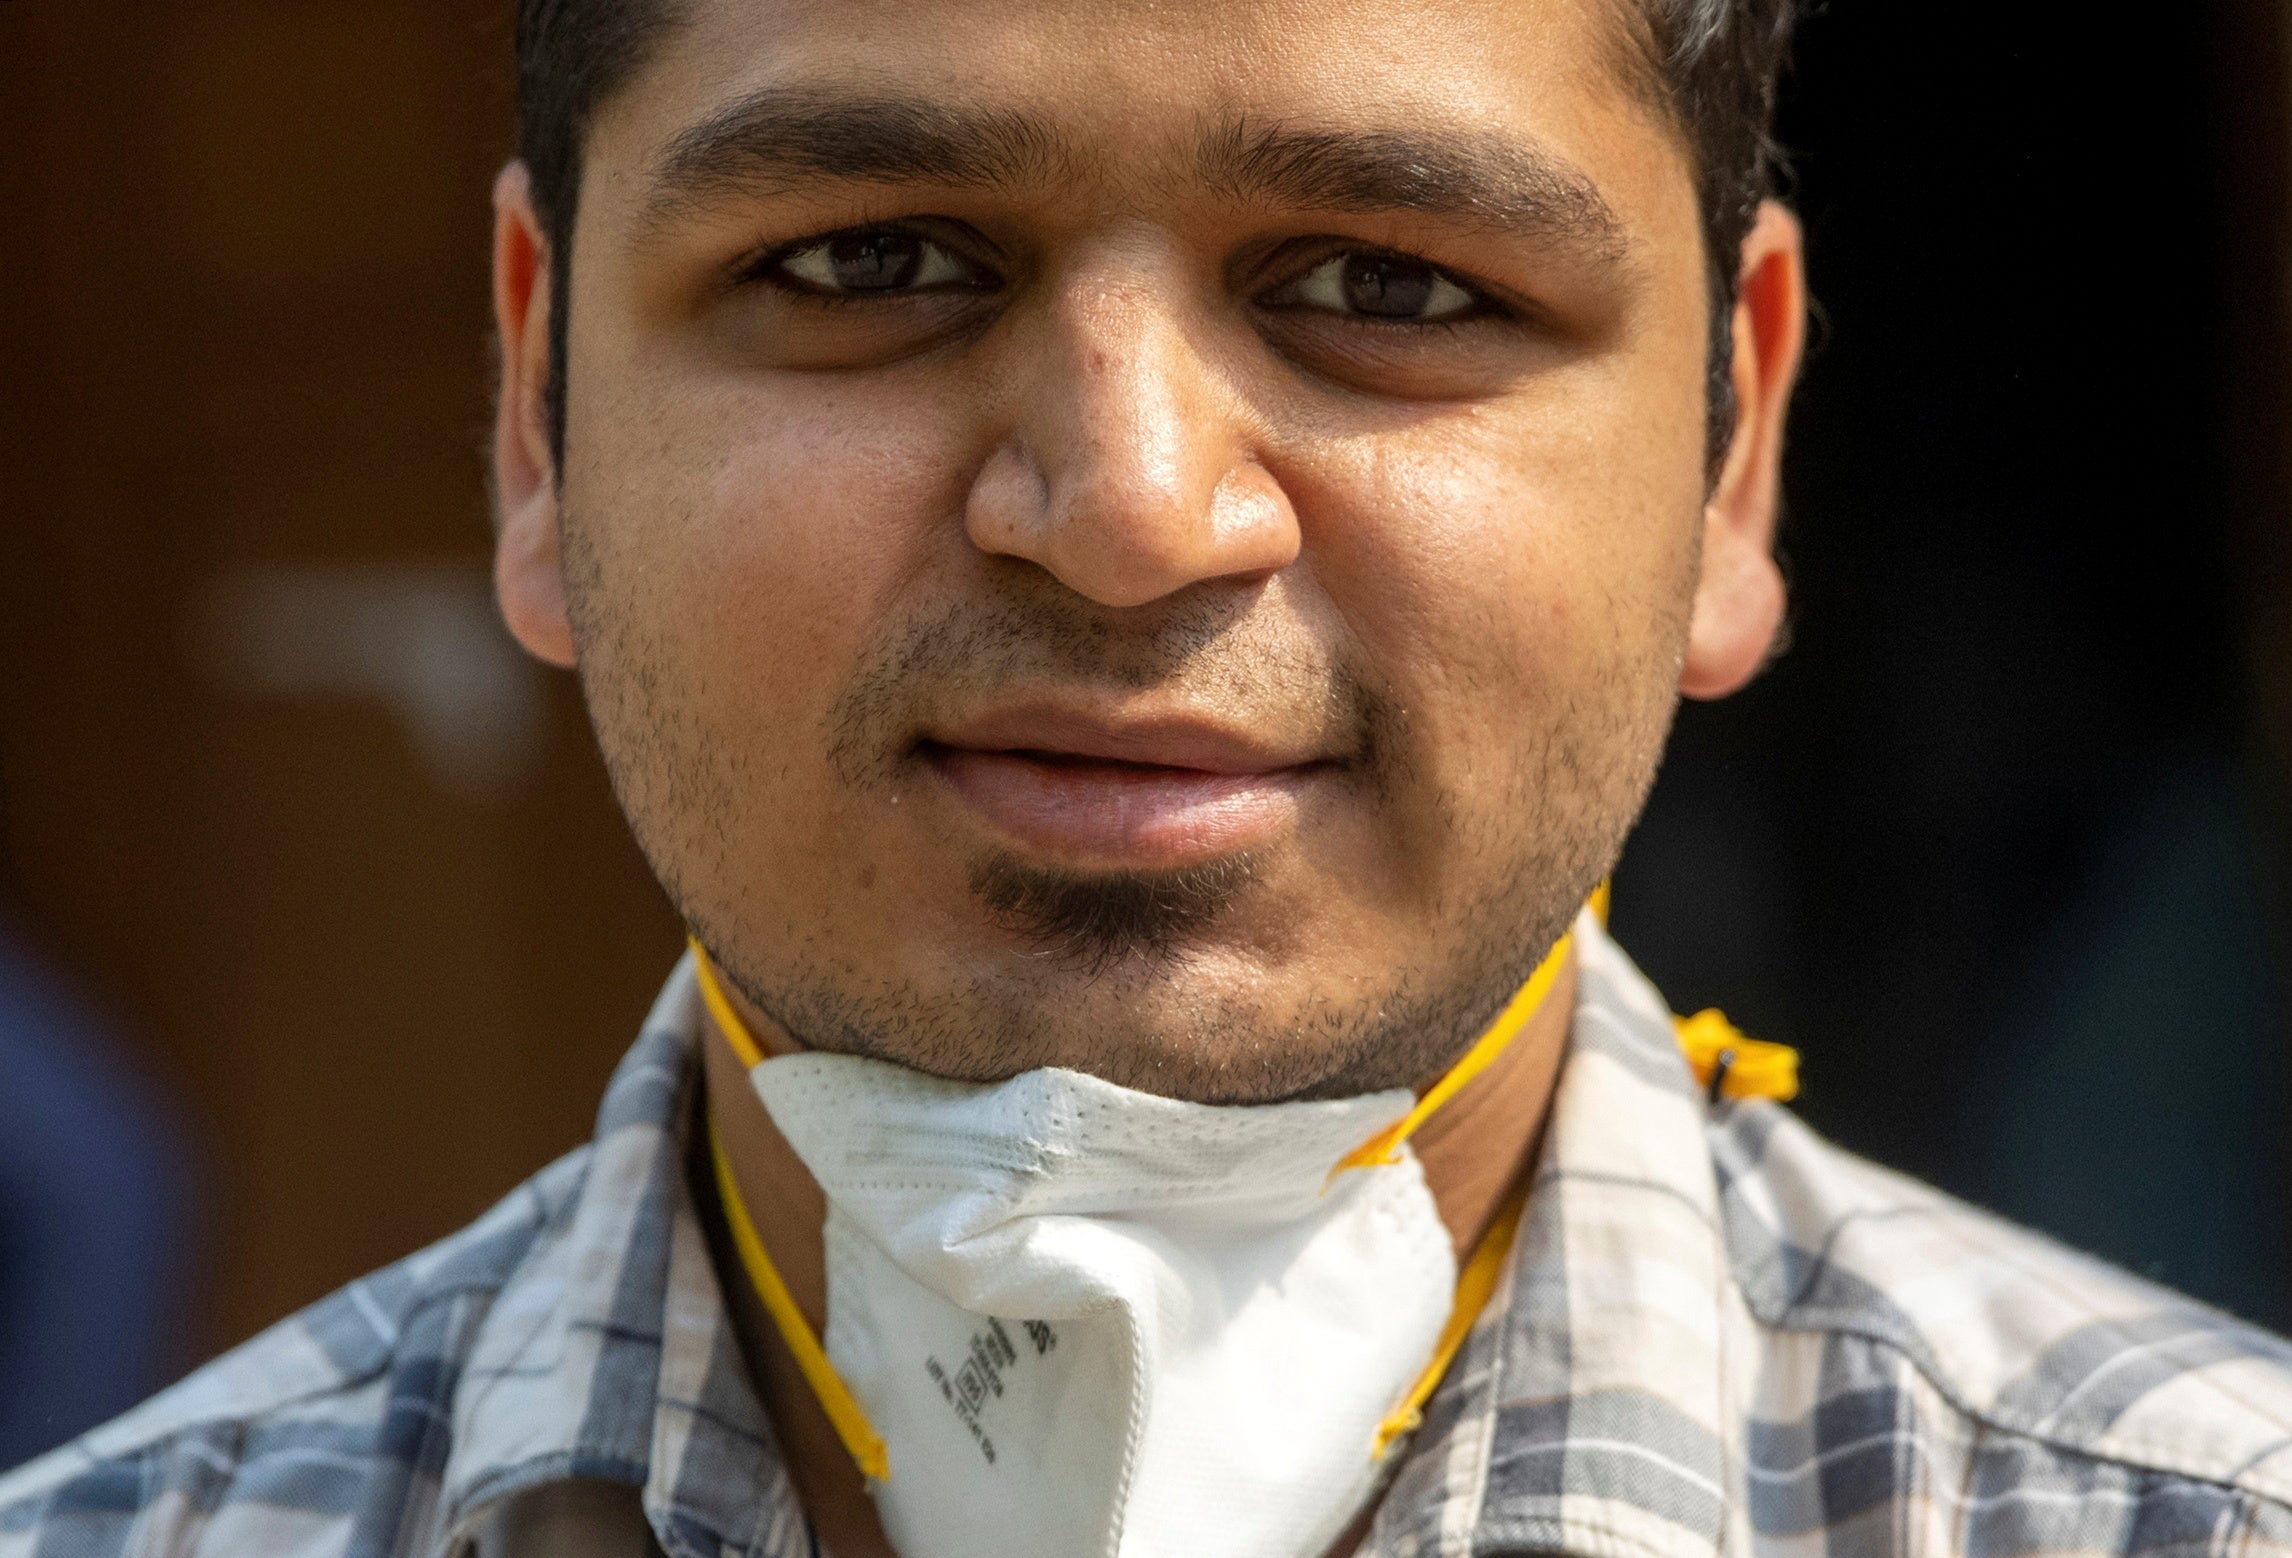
x,y
1499,563
773,526
751,545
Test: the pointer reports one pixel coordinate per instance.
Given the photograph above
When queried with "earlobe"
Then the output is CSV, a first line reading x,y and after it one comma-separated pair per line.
x,y
1738,614
1739,595
529,582
528,575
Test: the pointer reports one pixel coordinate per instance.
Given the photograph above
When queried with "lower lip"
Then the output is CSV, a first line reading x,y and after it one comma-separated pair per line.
x,y
1119,815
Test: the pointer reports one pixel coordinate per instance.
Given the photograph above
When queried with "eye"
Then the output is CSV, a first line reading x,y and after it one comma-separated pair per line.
x,y
873,262
1380,286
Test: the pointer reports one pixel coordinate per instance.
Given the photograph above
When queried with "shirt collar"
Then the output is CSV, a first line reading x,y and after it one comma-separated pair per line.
x,y
1589,1411
609,1355
1586,1413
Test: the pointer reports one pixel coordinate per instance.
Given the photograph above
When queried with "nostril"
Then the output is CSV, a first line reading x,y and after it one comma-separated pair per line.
x,y
1008,507
1249,503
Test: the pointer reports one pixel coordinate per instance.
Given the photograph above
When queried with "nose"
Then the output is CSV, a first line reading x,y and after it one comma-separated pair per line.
x,y
1127,471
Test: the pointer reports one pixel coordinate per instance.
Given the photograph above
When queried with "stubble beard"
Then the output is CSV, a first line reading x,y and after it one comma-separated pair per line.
x,y
1124,940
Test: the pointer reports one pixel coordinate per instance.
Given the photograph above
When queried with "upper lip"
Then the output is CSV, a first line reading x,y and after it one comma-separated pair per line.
x,y
1163,741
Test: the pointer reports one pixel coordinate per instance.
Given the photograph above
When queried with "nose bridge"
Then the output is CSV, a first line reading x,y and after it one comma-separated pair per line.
x,y
1147,439
1128,470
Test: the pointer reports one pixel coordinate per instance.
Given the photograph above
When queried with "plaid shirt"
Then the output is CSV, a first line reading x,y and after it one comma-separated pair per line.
x,y
1720,1336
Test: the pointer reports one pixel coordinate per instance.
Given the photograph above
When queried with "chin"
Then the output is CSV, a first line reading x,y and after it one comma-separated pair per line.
x,y
1206,1026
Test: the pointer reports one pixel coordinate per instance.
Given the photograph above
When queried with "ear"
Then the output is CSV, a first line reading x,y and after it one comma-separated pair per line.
x,y
1739,595
527,577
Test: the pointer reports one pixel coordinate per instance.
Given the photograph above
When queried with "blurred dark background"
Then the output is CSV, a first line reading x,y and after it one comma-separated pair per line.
x,y
318,929
2001,843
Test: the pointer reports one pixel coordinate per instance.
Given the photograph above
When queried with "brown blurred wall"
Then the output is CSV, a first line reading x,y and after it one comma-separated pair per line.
x,y
377,923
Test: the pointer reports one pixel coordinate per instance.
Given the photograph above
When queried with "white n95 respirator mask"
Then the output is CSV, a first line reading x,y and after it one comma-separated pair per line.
x,y
1066,1319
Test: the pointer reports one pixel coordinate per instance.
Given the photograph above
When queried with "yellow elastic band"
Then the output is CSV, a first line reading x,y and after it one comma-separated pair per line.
x,y
835,1397
1743,1067
1752,1068
1481,1272
1473,1288
728,1021
1384,1149
844,1411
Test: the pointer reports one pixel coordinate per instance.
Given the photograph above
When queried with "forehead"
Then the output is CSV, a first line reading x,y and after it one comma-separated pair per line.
x,y
1126,92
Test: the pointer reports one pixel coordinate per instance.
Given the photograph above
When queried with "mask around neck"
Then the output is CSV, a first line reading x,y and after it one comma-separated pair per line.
x,y
1090,1321
1066,1319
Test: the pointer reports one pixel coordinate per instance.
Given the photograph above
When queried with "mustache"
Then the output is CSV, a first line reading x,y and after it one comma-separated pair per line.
x,y
1245,665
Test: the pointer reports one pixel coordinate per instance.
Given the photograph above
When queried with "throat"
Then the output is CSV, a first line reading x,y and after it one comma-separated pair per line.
x,y
789,1212
1485,1141
1475,1150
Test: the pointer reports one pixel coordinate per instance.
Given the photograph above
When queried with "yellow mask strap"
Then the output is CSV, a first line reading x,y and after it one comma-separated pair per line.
x,y
1384,1148
1723,1060
864,1444
1473,1287
1732,1066
736,1034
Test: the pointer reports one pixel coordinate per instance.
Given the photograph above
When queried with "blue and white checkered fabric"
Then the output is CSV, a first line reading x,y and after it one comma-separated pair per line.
x,y
1720,1336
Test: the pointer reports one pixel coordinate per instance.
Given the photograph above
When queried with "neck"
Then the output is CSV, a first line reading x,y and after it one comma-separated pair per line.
x,y
1474,1150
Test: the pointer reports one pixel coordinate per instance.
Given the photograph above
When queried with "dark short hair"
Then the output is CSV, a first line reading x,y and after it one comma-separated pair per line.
x,y
1713,66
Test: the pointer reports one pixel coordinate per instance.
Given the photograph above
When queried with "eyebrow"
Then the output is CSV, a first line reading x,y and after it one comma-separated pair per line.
x,y
784,138
1480,179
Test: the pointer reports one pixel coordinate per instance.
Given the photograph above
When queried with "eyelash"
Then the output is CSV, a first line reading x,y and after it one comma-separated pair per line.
x,y
1483,302
767,268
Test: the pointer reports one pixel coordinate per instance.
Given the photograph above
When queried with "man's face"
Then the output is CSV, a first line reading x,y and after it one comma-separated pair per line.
x,y
1154,538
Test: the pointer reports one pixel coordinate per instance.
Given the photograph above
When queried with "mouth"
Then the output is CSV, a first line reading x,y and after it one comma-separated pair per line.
x,y
1141,795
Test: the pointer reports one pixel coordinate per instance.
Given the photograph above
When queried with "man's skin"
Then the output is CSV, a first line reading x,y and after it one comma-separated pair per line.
x,y
1117,644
